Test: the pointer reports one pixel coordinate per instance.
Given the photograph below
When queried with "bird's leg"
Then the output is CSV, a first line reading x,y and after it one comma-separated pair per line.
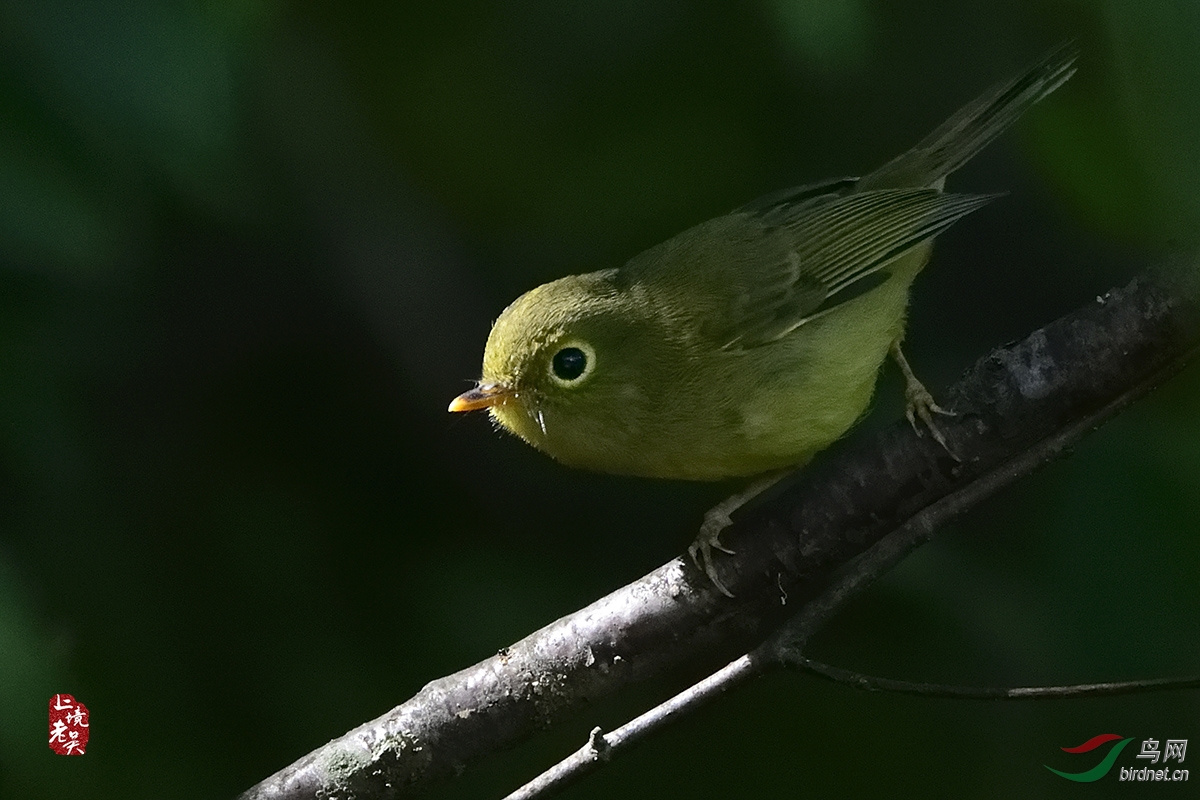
x,y
718,518
919,403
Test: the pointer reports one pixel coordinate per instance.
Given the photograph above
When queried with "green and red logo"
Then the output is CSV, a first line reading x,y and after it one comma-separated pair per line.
x,y
1100,770
1152,751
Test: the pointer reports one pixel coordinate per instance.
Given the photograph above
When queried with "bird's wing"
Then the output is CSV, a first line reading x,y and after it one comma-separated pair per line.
x,y
799,261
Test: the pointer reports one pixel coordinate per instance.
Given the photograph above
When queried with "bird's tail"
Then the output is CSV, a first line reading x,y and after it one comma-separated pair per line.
x,y
959,138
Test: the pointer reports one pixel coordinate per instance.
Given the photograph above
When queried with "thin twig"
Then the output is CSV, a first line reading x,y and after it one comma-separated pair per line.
x,y
875,684
602,747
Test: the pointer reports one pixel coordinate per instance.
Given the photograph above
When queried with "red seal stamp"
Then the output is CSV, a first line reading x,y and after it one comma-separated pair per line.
x,y
68,725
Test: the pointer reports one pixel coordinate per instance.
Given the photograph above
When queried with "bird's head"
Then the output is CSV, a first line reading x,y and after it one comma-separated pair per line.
x,y
564,368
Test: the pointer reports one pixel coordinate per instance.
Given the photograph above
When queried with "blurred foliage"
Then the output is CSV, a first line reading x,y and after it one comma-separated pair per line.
x,y
249,250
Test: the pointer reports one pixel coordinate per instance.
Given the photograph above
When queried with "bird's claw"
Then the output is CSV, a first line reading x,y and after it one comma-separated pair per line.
x,y
921,405
707,540
718,519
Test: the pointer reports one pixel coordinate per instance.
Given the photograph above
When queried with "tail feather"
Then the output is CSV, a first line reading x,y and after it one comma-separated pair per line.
x,y
973,126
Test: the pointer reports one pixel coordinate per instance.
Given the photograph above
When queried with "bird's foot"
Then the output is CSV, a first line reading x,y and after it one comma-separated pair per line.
x,y
919,403
709,539
718,518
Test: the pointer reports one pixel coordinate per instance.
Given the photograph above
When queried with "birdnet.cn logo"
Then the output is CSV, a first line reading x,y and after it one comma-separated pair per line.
x,y
1158,760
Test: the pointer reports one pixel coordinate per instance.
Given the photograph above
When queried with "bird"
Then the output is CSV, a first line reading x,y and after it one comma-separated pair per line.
x,y
748,343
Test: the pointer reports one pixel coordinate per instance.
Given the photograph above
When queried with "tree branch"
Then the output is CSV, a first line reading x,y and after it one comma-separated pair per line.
x,y
1052,387
786,645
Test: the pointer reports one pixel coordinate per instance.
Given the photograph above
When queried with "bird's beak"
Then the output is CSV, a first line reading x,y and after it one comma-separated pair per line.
x,y
485,395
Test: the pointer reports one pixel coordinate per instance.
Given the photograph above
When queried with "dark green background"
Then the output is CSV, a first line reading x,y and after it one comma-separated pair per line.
x,y
250,250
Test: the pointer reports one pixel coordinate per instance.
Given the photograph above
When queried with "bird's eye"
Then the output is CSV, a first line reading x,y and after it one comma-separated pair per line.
x,y
569,363
572,363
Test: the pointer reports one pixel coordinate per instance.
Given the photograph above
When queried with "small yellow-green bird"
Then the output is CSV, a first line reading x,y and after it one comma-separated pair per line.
x,y
750,342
